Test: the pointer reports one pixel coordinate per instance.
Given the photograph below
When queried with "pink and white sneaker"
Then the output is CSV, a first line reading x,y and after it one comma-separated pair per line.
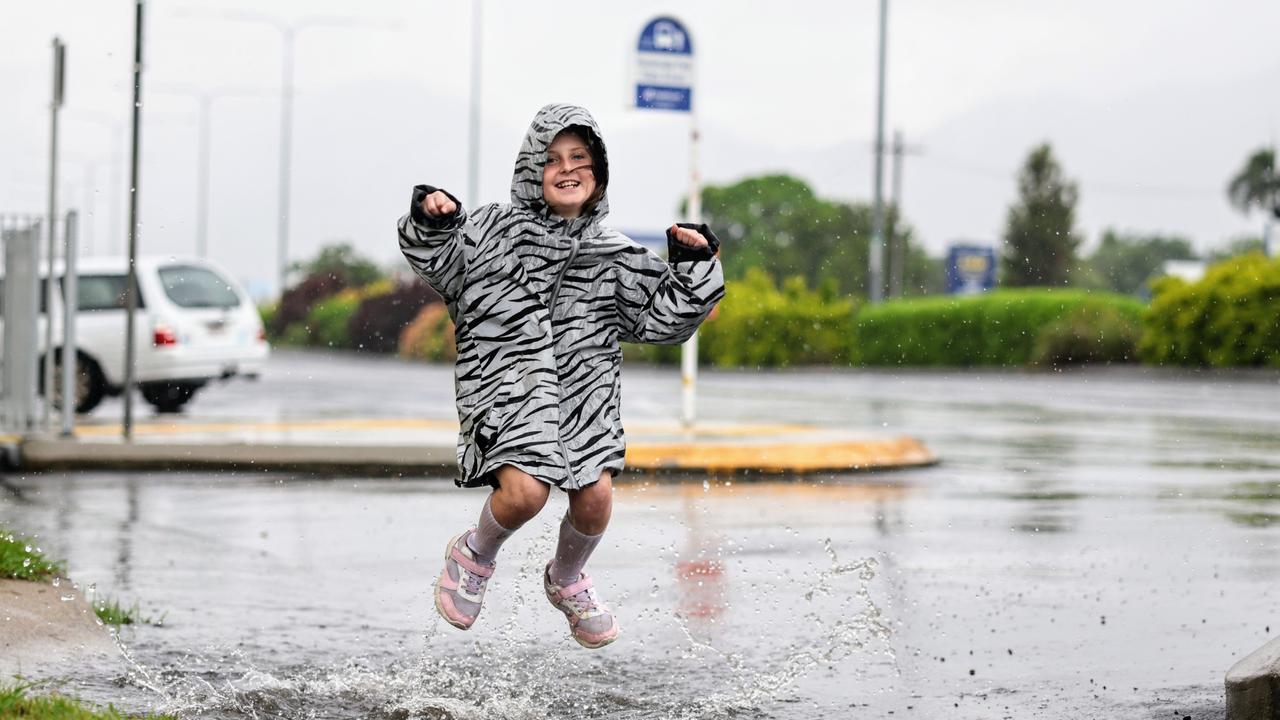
x,y
590,621
460,590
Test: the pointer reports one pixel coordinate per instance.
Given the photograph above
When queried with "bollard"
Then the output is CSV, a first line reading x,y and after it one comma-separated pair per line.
x,y
1253,685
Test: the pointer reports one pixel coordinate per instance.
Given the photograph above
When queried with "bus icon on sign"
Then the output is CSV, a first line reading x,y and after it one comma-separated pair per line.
x,y
668,36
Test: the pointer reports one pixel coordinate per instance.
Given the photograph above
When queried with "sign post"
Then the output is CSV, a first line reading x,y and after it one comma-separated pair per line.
x,y
59,85
664,77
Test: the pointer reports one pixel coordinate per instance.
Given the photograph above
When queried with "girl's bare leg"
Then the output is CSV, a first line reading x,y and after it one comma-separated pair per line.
x,y
518,498
591,507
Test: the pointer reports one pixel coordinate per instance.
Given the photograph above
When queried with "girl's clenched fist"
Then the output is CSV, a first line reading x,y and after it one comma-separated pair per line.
x,y
438,204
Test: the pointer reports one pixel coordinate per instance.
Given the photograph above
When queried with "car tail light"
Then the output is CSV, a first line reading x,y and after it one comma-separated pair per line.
x,y
262,334
164,336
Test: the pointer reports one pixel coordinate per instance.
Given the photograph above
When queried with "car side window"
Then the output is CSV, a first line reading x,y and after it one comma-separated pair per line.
x,y
103,292
190,286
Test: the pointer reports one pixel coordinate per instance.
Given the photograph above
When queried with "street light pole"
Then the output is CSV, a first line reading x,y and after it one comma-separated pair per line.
x,y
875,281
204,102
288,33
116,171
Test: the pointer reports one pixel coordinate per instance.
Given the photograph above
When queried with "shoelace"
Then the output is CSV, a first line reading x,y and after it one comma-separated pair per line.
x,y
471,581
585,602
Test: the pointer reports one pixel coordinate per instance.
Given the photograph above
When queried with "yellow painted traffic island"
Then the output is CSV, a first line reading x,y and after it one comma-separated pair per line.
x,y
796,457
406,446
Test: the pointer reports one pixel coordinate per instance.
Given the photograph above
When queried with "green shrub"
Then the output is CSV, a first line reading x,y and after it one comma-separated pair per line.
x,y
376,326
997,328
329,319
1088,335
429,336
1229,318
760,325
267,313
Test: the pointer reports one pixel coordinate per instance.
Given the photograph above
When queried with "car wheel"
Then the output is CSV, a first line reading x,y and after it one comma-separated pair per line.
x,y
168,397
90,385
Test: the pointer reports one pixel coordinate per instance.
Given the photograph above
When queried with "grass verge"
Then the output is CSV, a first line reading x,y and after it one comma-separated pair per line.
x,y
111,612
21,559
16,702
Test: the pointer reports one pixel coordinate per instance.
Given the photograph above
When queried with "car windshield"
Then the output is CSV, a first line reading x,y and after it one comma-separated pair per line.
x,y
196,287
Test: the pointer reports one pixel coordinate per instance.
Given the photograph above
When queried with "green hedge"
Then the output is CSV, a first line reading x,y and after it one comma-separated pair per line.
x,y
1089,335
760,325
998,328
1229,318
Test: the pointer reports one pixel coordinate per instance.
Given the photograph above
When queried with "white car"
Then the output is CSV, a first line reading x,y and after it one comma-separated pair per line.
x,y
193,325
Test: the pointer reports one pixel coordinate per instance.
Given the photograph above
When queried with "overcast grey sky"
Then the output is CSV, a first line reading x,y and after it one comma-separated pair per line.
x,y
1150,105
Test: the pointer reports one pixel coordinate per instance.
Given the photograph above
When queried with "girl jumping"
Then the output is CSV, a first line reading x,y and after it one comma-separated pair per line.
x,y
541,293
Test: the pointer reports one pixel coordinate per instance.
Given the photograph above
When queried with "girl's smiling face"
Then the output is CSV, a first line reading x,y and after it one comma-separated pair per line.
x,y
568,178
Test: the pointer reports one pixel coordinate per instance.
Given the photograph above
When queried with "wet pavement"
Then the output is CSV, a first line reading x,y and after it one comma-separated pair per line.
x,y
1098,544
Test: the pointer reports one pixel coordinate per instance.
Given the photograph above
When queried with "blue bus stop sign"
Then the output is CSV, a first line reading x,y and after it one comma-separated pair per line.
x,y
971,269
664,66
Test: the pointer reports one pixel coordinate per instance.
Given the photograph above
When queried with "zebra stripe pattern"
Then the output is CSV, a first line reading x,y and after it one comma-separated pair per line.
x,y
539,305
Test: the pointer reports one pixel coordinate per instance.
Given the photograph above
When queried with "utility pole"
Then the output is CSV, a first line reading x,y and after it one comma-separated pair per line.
x,y
131,285
875,274
897,248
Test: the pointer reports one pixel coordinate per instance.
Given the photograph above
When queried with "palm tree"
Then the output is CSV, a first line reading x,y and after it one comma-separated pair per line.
x,y
1258,185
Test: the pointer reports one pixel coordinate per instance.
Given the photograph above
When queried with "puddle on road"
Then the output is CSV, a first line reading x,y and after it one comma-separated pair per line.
x,y
662,667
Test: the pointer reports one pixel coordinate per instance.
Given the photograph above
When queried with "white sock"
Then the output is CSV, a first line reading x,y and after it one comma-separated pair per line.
x,y
572,553
489,535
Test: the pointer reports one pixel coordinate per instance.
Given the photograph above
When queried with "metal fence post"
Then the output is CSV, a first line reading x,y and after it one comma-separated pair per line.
x,y
70,306
19,377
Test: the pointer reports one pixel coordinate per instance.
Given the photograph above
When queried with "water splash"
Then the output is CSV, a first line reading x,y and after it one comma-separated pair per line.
x,y
527,668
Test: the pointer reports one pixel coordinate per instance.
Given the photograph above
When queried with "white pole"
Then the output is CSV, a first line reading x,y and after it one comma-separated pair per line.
x,y
70,305
59,69
473,148
90,205
117,182
875,274
689,351
202,178
286,143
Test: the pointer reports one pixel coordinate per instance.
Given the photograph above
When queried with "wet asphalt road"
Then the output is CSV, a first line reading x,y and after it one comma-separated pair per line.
x,y
1094,544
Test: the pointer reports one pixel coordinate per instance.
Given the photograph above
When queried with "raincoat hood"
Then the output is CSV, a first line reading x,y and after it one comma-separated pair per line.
x,y
526,182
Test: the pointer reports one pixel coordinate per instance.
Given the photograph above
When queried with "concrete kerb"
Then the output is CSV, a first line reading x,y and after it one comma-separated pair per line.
x,y
1253,685
391,448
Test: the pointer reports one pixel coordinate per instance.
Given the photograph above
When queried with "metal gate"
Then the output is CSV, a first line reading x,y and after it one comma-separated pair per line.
x,y
28,329
21,237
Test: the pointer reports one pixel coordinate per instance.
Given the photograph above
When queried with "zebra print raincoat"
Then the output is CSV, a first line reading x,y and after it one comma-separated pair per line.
x,y
539,305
